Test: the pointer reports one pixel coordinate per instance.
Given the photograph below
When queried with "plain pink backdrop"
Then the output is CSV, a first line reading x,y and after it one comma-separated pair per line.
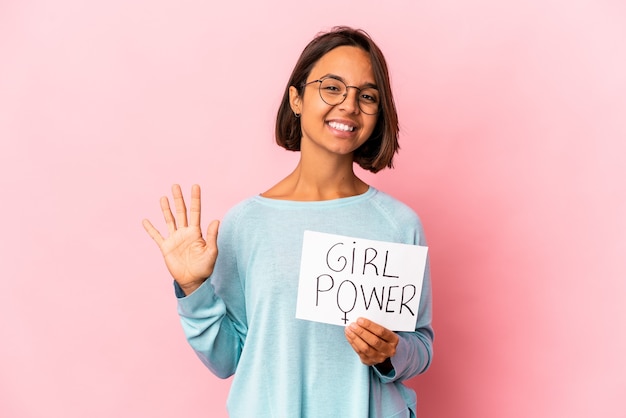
x,y
513,118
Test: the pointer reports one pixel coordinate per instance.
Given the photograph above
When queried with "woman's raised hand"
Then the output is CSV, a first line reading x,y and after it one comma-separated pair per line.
x,y
189,257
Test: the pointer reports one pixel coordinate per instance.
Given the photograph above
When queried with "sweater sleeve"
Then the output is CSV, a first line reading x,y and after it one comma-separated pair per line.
x,y
213,317
415,349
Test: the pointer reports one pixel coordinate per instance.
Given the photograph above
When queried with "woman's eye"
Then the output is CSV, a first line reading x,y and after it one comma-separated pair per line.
x,y
369,98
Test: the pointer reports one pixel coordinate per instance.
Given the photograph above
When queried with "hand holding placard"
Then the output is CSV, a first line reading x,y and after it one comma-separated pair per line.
x,y
343,278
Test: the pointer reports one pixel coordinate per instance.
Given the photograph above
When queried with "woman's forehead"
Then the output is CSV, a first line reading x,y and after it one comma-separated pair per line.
x,y
350,63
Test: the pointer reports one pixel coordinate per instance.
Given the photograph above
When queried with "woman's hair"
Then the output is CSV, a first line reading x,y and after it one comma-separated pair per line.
x,y
378,151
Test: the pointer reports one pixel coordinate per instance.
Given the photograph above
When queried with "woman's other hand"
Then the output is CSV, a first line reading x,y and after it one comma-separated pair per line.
x,y
373,343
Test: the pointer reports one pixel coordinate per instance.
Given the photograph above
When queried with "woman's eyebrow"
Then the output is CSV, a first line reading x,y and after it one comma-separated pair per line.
x,y
337,77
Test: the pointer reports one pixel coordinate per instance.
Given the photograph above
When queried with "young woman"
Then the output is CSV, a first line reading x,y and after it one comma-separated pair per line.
x,y
238,308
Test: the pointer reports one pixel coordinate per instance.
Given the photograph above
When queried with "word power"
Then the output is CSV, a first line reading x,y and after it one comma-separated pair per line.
x,y
344,278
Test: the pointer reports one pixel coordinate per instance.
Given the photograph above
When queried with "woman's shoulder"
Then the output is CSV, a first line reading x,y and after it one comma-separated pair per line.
x,y
395,207
240,209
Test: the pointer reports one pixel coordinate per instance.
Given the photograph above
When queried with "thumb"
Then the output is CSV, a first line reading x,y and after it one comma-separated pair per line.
x,y
211,232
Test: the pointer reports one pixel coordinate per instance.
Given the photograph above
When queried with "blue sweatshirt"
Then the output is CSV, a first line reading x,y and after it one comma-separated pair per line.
x,y
242,320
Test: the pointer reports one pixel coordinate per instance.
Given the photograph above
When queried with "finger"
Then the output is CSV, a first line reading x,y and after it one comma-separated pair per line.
x,y
167,215
194,210
364,339
377,330
211,233
179,204
385,344
152,231
355,339
366,353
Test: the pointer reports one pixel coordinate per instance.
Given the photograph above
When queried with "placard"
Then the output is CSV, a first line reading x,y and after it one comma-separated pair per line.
x,y
344,278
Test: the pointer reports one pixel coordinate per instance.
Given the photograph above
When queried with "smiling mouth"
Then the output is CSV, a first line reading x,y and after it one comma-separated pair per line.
x,y
341,126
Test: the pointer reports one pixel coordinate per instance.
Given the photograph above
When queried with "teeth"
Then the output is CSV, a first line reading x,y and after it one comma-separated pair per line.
x,y
341,126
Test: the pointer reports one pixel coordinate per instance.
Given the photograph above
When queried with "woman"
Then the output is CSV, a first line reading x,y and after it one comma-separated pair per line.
x,y
238,308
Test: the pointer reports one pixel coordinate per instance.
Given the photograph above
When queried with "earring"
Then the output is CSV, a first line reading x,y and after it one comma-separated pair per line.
x,y
297,115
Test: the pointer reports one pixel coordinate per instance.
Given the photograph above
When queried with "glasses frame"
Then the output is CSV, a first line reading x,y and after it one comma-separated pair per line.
x,y
345,95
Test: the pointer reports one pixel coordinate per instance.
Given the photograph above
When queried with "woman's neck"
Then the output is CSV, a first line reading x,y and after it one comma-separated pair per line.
x,y
319,180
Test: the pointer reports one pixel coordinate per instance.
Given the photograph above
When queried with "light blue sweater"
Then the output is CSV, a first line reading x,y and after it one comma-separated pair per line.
x,y
242,320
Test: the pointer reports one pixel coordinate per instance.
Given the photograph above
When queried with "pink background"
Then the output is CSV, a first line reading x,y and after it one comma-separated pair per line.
x,y
513,118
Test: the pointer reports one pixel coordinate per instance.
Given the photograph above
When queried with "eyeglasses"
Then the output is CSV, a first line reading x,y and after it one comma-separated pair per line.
x,y
334,91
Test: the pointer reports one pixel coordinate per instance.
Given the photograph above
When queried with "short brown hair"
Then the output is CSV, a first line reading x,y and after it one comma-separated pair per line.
x,y
378,151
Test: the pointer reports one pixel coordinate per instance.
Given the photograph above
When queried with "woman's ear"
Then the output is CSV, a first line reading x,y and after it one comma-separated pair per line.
x,y
295,101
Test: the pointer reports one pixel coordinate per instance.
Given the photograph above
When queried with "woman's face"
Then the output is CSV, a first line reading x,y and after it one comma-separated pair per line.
x,y
340,129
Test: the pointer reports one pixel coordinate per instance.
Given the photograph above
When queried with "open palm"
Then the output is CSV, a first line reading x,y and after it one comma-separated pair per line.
x,y
189,257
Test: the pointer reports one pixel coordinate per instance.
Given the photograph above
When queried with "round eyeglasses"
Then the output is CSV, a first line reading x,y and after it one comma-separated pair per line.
x,y
334,91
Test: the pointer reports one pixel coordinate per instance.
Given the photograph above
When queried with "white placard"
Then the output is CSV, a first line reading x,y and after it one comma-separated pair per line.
x,y
344,278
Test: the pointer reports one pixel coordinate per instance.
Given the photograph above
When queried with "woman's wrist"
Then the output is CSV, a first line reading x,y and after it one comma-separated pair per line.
x,y
385,367
189,288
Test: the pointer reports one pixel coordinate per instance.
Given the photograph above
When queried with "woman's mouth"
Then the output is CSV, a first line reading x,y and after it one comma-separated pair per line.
x,y
341,126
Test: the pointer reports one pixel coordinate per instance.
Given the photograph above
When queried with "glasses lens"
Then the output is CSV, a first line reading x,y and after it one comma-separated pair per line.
x,y
368,101
334,91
